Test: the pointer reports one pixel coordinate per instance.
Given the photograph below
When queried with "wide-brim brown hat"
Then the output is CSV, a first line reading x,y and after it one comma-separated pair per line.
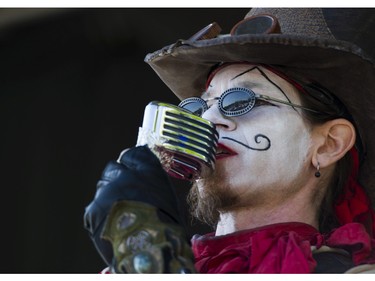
x,y
335,47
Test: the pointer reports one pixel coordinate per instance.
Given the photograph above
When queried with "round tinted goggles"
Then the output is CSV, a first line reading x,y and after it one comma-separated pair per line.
x,y
233,102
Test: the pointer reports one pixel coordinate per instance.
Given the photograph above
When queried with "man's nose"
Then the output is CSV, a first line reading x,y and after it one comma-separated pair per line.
x,y
214,115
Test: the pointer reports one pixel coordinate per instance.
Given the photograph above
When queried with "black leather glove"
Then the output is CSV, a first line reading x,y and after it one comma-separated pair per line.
x,y
137,182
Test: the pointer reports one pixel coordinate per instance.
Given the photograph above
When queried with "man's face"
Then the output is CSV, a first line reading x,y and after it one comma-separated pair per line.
x,y
262,155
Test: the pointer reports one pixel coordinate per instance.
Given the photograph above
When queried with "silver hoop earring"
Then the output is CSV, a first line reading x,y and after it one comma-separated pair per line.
x,y
317,173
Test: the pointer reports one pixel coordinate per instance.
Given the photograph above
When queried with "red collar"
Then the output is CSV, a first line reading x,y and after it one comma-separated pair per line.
x,y
278,248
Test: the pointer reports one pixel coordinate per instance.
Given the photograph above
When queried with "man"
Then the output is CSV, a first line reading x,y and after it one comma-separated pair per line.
x,y
290,93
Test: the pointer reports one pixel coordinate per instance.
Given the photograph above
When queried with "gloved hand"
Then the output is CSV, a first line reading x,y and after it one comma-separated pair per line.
x,y
135,203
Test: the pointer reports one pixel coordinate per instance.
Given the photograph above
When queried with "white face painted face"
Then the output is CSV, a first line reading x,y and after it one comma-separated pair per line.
x,y
265,152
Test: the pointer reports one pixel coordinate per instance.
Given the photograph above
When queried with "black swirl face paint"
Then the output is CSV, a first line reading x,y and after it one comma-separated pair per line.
x,y
260,139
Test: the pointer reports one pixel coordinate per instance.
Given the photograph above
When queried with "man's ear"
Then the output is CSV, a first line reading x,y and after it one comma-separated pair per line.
x,y
333,140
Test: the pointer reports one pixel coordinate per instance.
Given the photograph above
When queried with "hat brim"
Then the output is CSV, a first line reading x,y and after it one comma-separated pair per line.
x,y
341,67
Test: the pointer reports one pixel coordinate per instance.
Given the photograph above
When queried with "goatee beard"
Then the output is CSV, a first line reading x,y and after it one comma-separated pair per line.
x,y
210,196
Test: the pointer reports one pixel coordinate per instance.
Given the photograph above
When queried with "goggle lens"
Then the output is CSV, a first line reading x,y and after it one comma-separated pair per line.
x,y
195,105
233,102
258,24
236,101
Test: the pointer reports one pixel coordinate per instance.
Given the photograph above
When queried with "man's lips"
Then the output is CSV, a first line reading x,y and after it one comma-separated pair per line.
x,y
223,151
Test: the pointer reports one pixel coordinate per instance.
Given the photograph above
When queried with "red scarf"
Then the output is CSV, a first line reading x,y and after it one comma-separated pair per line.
x,y
278,248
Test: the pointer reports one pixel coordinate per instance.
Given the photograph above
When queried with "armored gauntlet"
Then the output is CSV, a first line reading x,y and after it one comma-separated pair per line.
x,y
134,220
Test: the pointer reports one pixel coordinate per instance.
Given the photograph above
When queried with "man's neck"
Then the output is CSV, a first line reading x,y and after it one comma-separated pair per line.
x,y
293,210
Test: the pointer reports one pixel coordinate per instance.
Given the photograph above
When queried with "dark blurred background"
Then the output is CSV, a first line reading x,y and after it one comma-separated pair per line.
x,y
73,87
